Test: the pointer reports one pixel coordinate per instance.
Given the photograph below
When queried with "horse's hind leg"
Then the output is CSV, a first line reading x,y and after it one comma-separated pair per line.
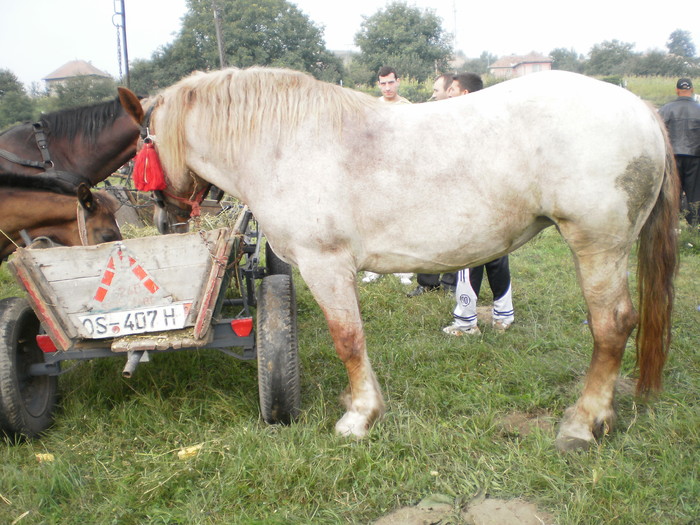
x,y
335,290
611,318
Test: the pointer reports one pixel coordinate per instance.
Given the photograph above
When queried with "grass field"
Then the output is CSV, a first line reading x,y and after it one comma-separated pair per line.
x,y
115,442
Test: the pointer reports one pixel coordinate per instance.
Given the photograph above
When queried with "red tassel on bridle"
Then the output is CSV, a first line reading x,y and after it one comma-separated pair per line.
x,y
148,173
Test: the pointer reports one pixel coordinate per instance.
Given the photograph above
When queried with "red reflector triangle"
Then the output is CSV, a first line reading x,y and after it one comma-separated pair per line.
x,y
45,344
242,327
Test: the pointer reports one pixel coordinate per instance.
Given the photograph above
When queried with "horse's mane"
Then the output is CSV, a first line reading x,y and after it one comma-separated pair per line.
x,y
241,107
36,183
48,184
85,120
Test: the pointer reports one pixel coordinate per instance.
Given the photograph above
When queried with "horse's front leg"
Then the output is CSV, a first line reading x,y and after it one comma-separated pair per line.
x,y
335,290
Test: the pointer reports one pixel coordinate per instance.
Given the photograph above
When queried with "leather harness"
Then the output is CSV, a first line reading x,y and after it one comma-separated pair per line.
x,y
46,164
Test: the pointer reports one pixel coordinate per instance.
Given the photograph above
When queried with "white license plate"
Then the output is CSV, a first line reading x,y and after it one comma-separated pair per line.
x,y
136,321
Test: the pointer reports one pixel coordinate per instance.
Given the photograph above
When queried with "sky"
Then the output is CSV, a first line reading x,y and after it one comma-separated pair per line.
x,y
39,36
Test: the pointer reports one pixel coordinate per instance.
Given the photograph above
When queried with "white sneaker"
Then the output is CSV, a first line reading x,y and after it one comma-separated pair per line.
x,y
455,329
405,277
370,277
501,326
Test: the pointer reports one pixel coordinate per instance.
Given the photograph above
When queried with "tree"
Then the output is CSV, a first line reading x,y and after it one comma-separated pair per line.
x,y
15,105
264,32
681,43
612,57
478,65
81,91
406,38
567,60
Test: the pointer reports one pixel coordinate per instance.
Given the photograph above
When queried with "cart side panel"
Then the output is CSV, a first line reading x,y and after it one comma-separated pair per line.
x,y
124,275
213,286
43,302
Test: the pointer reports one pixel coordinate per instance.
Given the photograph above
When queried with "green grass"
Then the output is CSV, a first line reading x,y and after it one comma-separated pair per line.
x,y
115,441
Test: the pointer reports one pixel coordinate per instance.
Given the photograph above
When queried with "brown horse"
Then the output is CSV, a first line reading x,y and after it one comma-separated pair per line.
x,y
85,144
46,209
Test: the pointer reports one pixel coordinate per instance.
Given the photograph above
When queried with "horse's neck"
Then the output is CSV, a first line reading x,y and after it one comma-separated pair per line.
x,y
114,147
29,209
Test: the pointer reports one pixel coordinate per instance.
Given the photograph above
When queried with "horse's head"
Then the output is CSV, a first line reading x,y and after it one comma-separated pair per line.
x,y
57,219
176,206
86,143
98,214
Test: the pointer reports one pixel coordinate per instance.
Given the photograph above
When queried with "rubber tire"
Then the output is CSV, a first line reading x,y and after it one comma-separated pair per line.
x,y
274,264
277,350
27,402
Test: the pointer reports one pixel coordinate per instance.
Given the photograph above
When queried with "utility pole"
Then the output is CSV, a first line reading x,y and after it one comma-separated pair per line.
x,y
121,12
219,39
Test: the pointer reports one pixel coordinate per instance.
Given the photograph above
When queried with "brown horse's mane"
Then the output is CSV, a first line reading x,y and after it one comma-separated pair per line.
x,y
87,121
239,108
44,183
48,184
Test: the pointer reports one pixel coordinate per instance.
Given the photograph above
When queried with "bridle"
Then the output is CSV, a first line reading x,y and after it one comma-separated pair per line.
x,y
197,197
46,164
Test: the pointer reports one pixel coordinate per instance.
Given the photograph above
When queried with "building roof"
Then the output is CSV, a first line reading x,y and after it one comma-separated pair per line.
x,y
512,61
75,68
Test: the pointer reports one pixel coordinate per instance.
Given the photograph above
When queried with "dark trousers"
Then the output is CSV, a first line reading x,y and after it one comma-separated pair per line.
x,y
498,273
433,280
689,174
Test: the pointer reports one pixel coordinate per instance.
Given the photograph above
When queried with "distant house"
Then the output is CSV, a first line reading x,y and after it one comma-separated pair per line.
x,y
517,66
72,69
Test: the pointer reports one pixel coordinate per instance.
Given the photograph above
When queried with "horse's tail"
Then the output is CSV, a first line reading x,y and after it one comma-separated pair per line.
x,y
657,264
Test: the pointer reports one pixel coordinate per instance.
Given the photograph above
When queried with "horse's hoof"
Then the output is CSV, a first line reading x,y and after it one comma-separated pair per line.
x,y
572,443
352,424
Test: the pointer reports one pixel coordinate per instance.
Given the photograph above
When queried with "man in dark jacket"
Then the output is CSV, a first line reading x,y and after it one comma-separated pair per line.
x,y
682,118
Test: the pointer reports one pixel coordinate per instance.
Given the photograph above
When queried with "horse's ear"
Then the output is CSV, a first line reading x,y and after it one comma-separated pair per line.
x,y
85,197
130,103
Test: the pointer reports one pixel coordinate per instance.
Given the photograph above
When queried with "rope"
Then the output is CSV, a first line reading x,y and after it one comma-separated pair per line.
x,y
9,238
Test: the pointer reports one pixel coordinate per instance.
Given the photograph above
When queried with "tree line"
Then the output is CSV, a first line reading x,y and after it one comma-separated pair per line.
x,y
221,33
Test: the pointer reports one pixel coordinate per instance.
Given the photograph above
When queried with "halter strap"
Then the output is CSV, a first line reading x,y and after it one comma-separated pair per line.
x,y
195,203
81,215
8,155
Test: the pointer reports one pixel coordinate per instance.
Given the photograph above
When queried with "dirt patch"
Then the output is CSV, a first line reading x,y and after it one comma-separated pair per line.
x,y
501,512
521,424
484,314
442,510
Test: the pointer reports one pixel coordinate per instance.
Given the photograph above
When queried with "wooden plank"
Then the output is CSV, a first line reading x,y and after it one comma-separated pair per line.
x,y
162,251
213,285
183,284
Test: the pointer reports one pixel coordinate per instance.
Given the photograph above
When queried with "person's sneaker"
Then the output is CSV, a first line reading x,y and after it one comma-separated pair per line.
x,y
405,278
455,329
420,290
370,277
501,326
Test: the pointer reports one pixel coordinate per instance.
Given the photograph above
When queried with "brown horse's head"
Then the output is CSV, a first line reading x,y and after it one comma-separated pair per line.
x,y
86,143
85,217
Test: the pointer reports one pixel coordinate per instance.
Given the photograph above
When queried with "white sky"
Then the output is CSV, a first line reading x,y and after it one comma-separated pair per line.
x,y
39,36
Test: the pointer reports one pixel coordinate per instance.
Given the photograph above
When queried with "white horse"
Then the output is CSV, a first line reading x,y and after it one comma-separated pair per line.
x,y
336,182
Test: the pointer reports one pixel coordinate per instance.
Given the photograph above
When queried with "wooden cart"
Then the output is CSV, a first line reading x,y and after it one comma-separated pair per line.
x,y
134,297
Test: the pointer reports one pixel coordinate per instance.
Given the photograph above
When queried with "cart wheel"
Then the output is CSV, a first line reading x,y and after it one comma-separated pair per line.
x,y
274,264
276,344
26,402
